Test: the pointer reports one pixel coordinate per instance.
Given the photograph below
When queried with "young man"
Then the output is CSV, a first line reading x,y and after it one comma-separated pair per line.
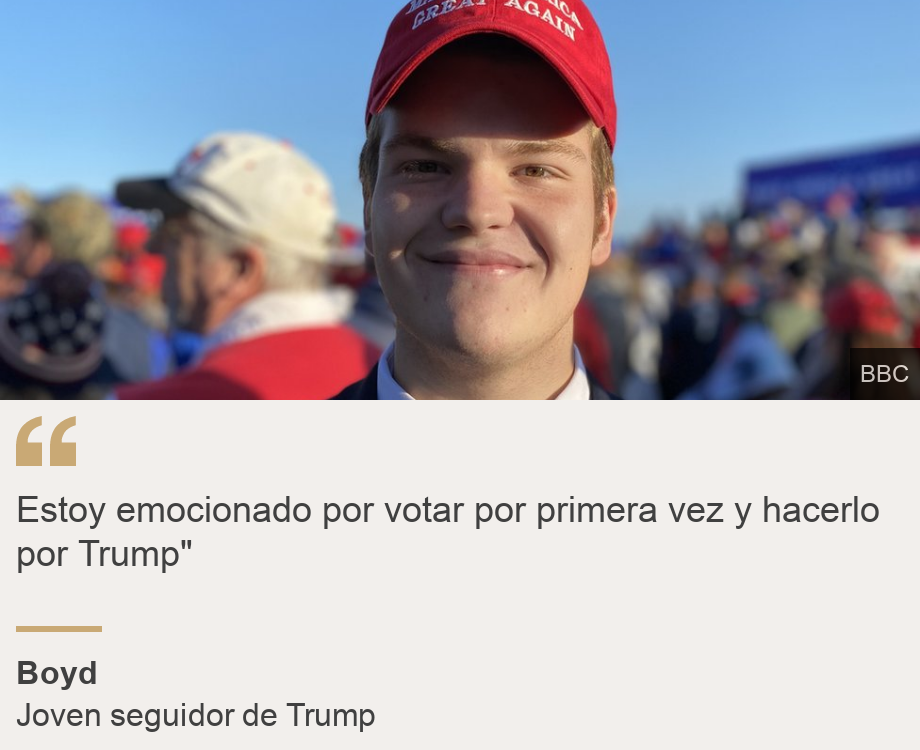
x,y
489,195
247,237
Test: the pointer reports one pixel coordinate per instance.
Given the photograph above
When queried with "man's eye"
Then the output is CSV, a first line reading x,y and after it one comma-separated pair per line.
x,y
536,172
420,167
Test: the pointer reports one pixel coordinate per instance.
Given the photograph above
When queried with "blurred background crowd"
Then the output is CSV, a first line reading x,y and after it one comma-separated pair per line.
x,y
763,301
725,281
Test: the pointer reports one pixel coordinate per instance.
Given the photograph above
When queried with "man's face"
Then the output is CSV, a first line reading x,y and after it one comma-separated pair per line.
x,y
195,279
482,221
30,255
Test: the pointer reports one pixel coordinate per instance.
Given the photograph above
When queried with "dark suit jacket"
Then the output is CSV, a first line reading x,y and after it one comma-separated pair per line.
x,y
366,390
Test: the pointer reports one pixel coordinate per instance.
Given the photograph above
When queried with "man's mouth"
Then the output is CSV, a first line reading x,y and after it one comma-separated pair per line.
x,y
494,262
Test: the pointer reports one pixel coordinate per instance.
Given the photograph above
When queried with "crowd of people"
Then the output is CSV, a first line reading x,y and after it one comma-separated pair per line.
x,y
760,305
756,306
229,279
487,270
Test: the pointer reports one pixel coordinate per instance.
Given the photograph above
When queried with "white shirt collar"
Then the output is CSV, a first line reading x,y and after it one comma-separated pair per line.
x,y
578,389
274,312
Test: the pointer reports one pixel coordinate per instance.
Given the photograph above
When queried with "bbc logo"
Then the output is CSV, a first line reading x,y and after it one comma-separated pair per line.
x,y
884,374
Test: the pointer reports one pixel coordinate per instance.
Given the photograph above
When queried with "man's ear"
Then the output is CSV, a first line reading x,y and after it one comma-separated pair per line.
x,y
601,250
249,267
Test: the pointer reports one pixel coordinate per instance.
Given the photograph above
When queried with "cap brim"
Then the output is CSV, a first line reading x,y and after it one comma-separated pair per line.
x,y
152,194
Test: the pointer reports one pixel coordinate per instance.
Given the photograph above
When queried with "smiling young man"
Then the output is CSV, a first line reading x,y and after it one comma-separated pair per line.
x,y
489,195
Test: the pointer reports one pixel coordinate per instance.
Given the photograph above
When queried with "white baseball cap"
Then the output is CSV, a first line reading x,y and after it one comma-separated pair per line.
x,y
260,187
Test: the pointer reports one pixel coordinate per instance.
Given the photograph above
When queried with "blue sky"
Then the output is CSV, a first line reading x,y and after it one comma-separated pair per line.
x,y
102,89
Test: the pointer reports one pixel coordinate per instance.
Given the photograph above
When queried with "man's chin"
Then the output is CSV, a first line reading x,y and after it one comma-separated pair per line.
x,y
476,342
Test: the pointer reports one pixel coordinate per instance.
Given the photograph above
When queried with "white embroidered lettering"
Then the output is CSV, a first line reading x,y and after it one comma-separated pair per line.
x,y
440,8
532,8
415,5
565,10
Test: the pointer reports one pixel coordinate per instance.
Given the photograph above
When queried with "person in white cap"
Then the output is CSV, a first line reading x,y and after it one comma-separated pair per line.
x,y
247,233
489,195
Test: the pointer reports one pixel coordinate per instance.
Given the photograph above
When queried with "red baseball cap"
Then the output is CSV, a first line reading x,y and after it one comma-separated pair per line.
x,y
131,237
862,306
563,32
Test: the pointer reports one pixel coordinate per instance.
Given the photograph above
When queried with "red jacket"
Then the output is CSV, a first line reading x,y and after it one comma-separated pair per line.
x,y
305,363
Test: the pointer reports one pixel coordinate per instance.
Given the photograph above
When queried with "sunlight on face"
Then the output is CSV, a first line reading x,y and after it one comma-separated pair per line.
x,y
483,217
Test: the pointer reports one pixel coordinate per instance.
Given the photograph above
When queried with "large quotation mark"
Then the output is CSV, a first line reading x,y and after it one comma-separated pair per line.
x,y
30,454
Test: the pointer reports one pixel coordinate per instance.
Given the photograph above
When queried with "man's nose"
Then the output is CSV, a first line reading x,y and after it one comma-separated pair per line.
x,y
478,200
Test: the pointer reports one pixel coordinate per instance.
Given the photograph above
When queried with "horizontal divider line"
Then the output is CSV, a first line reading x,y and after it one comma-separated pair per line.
x,y
59,628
